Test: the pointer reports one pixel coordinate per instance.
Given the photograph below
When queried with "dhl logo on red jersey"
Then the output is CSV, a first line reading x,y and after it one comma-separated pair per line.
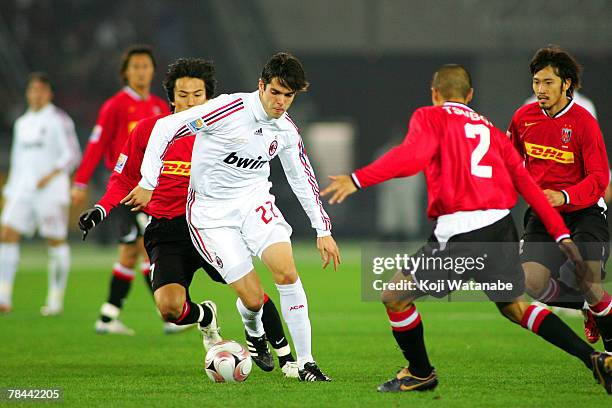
x,y
549,153
180,168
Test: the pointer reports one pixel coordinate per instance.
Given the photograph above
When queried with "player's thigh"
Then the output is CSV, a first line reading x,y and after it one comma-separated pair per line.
x,y
129,225
539,253
224,249
249,290
18,215
52,219
173,258
490,256
278,258
264,225
590,232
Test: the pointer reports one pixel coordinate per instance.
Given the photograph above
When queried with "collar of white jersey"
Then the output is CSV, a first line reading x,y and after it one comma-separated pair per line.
x,y
458,105
258,109
133,94
48,107
561,112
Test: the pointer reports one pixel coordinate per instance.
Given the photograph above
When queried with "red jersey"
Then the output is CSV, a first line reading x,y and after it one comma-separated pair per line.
x,y
170,197
116,119
564,153
469,165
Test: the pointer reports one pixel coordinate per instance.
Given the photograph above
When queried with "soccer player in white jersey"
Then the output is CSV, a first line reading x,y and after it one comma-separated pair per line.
x,y
45,150
230,211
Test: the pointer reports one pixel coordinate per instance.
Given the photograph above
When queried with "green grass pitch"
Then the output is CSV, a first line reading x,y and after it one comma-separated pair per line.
x,y
482,359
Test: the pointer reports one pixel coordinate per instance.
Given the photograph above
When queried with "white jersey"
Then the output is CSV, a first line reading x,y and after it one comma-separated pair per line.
x,y
234,145
43,141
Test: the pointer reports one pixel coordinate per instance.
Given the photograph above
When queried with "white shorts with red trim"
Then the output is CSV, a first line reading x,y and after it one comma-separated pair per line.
x,y
249,227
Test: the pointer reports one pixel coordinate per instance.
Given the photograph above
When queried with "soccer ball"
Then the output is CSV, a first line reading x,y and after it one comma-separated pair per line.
x,y
228,361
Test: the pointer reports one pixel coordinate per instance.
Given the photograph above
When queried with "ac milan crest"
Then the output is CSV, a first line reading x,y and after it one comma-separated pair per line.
x,y
272,148
566,135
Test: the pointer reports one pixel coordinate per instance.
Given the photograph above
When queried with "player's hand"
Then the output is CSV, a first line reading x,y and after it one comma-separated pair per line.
x,y
138,198
78,195
329,251
342,186
555,198
89,219
571,251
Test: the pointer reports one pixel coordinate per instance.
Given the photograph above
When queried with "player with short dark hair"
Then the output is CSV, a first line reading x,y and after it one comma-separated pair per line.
x,y
188,82
126,59
116,119
45,150
288,70
565,153
473,173
231,213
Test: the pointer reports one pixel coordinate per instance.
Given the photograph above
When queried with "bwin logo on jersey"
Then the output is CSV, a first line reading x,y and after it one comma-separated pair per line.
x,y
244,162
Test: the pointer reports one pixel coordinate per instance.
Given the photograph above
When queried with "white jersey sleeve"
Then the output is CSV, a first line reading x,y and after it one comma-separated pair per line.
x,y
197,120
16,159
152,162
301,178
66,138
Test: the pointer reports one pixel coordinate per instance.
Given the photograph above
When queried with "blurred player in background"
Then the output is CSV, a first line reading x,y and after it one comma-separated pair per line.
x,y
37,194
174,259
231,213
565,153
473,174
116,119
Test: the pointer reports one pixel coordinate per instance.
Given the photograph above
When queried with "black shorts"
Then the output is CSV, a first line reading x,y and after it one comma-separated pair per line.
x,y
173,257
588,228
489,256
129,225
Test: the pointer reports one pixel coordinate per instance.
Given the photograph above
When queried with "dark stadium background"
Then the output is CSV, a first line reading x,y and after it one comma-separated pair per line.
x,y
369,61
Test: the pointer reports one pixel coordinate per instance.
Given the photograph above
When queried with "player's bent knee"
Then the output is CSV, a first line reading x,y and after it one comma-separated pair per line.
x,y
253,302
170,310
513,311
537,278
170,301
286,278
393,304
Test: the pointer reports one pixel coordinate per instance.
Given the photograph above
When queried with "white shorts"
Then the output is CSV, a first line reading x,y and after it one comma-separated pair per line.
x,y
28,215
250,228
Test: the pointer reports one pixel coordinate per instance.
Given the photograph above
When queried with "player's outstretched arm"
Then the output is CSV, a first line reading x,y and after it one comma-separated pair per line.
x,y
329,251
342,186
138,198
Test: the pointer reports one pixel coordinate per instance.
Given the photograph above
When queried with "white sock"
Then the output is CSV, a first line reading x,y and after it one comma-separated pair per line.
x,y
9,260
294,307
59,268
252,320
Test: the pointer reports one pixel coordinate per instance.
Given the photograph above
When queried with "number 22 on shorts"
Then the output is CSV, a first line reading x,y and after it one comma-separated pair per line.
x,y
266,209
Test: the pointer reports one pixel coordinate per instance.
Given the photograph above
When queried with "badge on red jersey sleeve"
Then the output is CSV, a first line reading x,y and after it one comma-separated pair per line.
x,y
121,160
